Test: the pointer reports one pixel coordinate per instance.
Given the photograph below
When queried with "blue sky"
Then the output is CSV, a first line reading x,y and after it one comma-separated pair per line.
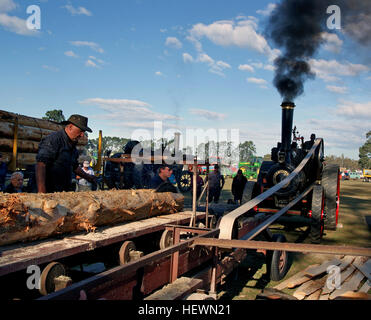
x,y
193,64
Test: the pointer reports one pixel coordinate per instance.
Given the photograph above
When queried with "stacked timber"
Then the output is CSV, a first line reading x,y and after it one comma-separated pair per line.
x,y
29,134
347,278
28,217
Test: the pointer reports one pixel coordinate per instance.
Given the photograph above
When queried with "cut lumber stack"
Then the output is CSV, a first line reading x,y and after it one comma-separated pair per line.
x,y
27,217
319,282
30,132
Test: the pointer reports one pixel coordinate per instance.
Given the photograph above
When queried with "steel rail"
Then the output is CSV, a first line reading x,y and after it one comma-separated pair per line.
x,y
227,221
283,246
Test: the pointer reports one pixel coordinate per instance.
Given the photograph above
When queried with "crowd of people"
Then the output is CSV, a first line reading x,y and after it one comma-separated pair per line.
x,y
57,162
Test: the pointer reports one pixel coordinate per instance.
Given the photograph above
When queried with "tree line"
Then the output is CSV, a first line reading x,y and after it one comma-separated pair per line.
x,y
245,149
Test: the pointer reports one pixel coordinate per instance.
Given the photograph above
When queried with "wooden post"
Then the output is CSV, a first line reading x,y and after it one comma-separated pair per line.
x,y
99,161
13,162
194,198
207,194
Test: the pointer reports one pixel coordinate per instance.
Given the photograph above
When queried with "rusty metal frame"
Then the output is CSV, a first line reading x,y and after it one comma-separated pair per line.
x,y
176,229
122,273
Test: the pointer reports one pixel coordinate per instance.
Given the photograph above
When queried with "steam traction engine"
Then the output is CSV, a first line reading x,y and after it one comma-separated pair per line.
x,y
318,208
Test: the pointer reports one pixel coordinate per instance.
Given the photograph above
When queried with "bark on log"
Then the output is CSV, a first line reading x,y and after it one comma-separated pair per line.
x,y
30,133
29,121
28,217
25,146
24,159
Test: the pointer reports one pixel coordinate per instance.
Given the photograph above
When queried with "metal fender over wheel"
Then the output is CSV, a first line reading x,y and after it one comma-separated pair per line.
x,y
331,186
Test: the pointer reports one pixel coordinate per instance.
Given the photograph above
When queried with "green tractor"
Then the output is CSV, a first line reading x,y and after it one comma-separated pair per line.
x,y
250,169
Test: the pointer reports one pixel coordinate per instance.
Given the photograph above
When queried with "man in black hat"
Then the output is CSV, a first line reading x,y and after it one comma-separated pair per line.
x,y
57,157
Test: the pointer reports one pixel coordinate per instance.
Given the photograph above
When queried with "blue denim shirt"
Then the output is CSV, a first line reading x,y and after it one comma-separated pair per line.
x,y
60,156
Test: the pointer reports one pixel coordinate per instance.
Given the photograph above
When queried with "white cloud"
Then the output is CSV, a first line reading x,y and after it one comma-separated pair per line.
x,y
16,25
50,68
77,11
173,42
340,138
92,45
71,54
127,110
207,114
7,5
230,33
245,67
268,10
337,89
187,57
99,61
330,70
159,73
204,58
216,67
355,110
261,82
90,63
332,42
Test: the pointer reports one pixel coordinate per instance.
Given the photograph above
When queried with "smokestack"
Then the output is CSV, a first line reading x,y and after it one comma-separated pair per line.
x,y
287,118
176,142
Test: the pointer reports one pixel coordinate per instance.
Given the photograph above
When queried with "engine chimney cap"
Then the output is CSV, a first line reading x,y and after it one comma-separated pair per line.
x,y
288,104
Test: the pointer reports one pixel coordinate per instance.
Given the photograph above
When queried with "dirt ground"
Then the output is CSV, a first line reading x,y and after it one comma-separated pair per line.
x,y
355,209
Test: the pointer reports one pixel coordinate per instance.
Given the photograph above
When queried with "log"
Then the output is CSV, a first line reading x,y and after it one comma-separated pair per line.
x,y
26,146
6,116
28,217
29,133
22,158
27,158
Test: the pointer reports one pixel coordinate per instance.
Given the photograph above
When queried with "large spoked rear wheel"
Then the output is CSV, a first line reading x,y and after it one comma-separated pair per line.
x,y
317,217
185,181
331,186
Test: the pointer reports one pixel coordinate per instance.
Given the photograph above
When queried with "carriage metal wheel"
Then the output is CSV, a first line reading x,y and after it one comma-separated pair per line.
x,y
124,253
51,271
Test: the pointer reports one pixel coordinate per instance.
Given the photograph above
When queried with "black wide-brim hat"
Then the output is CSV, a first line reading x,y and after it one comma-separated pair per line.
x,y
78,121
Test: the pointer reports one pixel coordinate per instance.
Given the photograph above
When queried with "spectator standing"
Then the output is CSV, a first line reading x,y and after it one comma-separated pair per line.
x,y
161,181
16,183
85,185
216,183
238,184
57,157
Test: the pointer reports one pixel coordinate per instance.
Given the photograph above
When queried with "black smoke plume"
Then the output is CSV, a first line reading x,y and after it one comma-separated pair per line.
x,y
296,27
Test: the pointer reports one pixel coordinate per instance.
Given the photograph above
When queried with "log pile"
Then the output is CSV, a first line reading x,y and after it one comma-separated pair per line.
x,y
30,132
347,278
28,217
